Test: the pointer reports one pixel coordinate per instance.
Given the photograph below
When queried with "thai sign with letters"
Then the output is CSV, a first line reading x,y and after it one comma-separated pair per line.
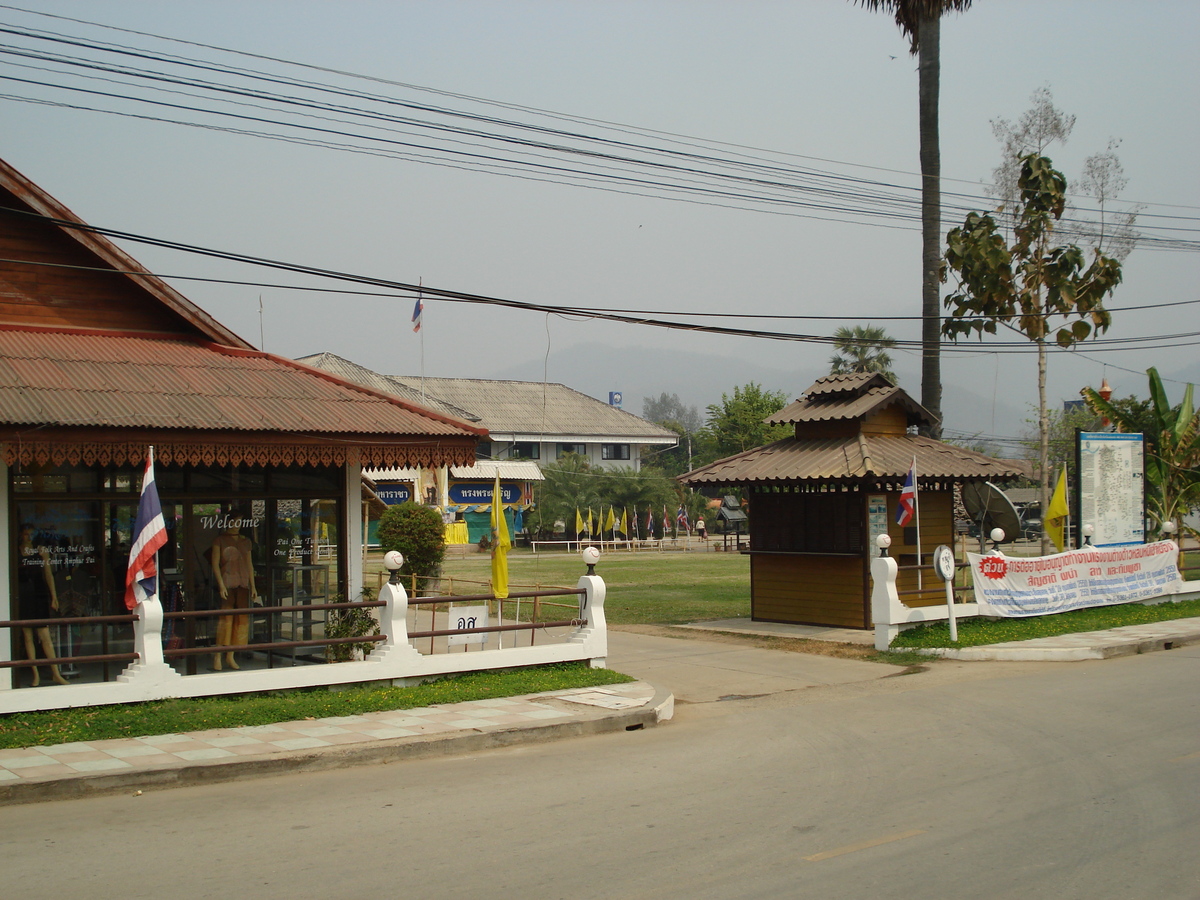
x,y
1092,576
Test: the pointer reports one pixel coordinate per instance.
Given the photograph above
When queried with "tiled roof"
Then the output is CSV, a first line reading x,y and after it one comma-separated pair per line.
x,y
71,379
537,408
852,458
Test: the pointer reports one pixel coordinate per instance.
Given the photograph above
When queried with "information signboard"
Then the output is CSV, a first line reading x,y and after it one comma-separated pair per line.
x,y
1112,493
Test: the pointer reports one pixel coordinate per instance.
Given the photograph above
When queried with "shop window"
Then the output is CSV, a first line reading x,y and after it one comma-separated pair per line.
x,y
564,449
525,450
251,541
614,451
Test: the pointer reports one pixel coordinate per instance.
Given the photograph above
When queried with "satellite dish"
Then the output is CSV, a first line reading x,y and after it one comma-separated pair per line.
x,y
989,507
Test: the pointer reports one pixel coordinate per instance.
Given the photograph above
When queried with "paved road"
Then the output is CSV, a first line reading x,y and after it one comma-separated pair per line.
x,y
971,780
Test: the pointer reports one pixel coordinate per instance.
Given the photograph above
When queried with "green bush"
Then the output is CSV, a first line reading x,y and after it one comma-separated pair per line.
x,y
417,532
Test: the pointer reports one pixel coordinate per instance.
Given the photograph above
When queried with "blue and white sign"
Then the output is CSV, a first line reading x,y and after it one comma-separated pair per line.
x,y
471,493
391,494
1112,490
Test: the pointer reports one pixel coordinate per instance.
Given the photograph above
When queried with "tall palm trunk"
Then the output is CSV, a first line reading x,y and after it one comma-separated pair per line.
x,y
929,72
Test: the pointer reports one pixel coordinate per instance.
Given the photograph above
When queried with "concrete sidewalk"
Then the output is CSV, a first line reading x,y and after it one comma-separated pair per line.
x,y
87,768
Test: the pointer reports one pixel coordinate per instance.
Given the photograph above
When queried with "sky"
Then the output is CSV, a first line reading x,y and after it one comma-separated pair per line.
x,y
823,86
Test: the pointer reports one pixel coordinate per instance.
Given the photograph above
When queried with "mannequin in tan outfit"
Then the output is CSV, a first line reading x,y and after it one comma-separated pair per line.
x,y
233,569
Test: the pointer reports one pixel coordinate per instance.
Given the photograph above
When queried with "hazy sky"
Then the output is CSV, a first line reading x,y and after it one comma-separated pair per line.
x,y
822,85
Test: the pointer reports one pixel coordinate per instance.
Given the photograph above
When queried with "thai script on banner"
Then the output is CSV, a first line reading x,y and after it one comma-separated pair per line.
x,y
1035,586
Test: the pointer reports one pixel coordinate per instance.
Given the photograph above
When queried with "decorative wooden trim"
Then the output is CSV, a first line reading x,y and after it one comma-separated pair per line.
x,y
275,450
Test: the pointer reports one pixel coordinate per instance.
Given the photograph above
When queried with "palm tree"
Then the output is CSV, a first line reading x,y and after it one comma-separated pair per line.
x,y
862,349
920,22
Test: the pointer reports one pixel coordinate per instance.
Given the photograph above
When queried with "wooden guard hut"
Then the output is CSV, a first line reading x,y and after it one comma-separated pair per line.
x,y
818,499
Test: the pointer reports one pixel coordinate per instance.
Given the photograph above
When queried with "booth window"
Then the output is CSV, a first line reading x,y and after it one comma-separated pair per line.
x,y
564,449
614,451
525,450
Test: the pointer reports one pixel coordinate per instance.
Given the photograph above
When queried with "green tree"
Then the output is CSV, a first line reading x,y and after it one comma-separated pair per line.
x,y
574,484
862,349
920,22
738,423
418,532
1028,286
1172,436
671,412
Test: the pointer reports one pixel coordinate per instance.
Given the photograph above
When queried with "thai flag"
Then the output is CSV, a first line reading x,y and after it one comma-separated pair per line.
x,y
908,496
682,519
418,310
649,522
149,534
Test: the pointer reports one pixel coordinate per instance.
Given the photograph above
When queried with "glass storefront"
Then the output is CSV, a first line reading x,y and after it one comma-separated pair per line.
x,y
238,538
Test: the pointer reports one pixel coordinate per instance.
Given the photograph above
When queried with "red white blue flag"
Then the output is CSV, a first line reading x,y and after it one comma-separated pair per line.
x,y
681,518
149,534
908,496
418,311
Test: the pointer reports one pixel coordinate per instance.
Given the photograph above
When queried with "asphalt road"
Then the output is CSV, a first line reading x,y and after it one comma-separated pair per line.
x,y
970,780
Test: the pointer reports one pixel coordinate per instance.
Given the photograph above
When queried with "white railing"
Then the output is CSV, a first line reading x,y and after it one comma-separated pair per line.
x,y
393,659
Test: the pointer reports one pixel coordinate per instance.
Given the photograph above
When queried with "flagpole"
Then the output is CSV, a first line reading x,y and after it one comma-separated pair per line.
x,y
917,517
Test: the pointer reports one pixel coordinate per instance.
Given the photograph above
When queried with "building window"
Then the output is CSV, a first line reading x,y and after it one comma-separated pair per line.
x,y
483,450
614,451
525,450
564,449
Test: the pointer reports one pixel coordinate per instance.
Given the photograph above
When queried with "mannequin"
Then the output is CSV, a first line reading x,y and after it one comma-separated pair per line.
x,y
233,569
37,596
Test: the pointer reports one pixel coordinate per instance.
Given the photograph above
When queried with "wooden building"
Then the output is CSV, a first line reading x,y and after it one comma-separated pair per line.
x,y
818,499
99,360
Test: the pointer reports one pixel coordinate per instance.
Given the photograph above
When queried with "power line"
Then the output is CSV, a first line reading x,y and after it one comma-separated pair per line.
x,y
1095,345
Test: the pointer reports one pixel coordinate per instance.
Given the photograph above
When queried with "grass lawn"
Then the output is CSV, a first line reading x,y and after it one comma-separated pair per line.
x,y
976,632
649,587
62,726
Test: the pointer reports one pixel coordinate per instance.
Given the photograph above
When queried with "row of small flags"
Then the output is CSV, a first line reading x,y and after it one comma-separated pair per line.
x,y
610,522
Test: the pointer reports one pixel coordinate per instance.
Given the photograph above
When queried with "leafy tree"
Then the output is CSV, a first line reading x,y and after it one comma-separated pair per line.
x,y
1172,434
920,22
670,412
862,349
572,483
418,532
1029,285
737,422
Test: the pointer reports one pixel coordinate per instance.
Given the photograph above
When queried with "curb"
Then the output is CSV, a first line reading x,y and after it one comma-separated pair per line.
x,y
1130,647
659,708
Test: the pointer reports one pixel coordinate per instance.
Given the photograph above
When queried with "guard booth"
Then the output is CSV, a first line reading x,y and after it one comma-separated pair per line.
x,y
819,498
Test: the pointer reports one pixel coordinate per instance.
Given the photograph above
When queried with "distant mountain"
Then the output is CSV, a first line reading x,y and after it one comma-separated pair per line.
x,y
700,379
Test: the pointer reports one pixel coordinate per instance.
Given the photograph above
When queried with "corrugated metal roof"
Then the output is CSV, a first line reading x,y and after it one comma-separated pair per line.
x,y
56,378
352,371
517,470
538,408
851,459
843,397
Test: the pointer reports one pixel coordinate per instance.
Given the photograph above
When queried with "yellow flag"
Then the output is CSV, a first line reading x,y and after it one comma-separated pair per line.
x,y
578,522
1056,515
500,544
625,522
589,522
611,520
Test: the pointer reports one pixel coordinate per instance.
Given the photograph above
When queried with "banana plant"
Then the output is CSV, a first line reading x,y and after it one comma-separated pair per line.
x,y
1172,452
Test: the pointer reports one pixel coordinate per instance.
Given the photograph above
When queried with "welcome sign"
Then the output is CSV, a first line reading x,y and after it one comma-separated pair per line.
x,y
1035,586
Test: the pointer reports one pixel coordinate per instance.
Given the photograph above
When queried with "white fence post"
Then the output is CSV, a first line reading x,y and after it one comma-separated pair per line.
x,y
591,608
149,667
886,608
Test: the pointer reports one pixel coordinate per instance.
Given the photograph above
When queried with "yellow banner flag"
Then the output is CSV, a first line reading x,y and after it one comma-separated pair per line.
x,y
625,522
1057,513
500,544
578,522
611,521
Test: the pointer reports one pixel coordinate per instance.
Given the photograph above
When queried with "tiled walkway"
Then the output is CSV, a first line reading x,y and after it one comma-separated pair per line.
x,y
129,755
